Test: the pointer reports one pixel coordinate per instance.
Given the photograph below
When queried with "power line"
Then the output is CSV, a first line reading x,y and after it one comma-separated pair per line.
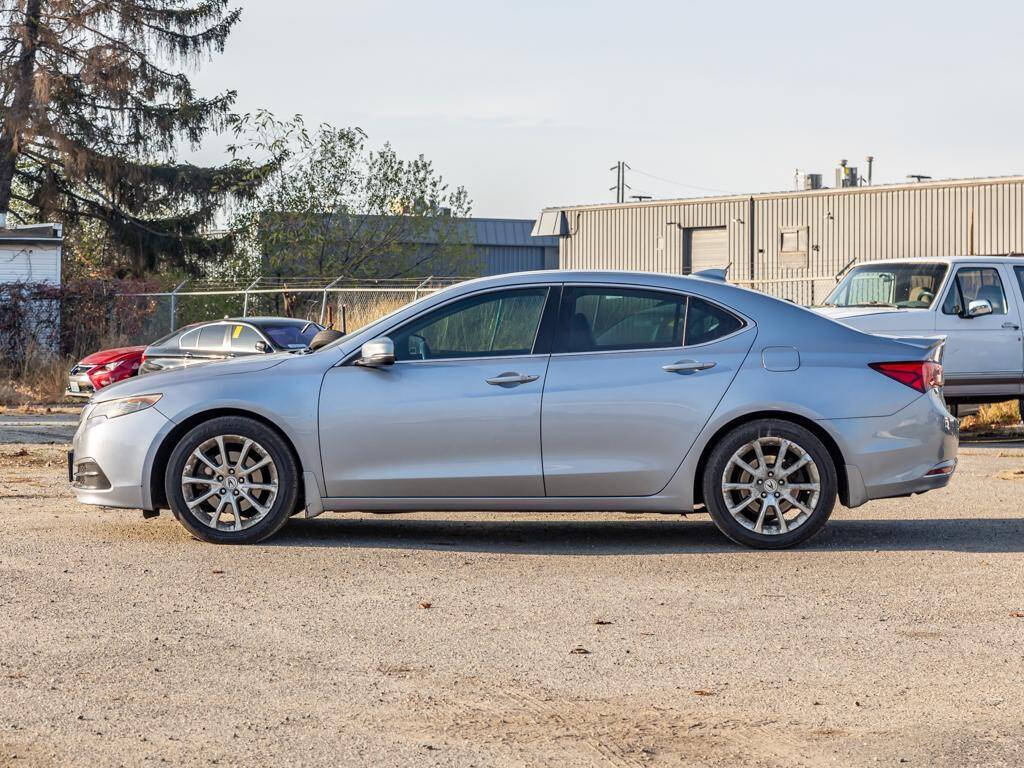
x,y
678,183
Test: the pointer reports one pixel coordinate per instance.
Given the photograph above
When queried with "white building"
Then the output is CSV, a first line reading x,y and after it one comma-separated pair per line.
x,y
31,254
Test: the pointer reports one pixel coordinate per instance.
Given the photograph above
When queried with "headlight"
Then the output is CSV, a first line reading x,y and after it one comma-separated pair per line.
x,y
112,366
122,406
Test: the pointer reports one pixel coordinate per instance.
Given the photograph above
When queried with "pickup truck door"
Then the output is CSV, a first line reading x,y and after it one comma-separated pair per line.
x,y
983,355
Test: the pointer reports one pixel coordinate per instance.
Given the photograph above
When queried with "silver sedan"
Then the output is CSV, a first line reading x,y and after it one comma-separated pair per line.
x,y
537,391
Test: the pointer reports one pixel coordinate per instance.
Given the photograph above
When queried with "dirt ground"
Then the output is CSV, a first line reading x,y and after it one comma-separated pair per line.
x,y
895,637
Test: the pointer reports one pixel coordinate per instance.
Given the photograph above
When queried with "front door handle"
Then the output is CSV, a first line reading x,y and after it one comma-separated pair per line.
x,y
686,366
511,379
1011,326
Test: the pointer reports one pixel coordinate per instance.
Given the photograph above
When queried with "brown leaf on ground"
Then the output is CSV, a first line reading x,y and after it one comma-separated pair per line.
x,y
579,650
1017,614
704,692
426,604
601,622
217,570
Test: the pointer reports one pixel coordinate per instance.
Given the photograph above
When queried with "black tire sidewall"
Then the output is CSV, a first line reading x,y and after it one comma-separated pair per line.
x,y
280,452
740,436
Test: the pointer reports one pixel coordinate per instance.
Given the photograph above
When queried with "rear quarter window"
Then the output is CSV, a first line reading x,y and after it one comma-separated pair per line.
x,y
706,322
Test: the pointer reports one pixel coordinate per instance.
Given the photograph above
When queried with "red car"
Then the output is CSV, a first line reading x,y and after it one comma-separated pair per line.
x,y
101,369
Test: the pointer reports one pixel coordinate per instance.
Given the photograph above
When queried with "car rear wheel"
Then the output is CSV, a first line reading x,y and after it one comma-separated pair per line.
x,y
232,480
769,484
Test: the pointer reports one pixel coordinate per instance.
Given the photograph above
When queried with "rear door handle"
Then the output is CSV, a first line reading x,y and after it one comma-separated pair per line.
x,y
511,379
684,366
1011,326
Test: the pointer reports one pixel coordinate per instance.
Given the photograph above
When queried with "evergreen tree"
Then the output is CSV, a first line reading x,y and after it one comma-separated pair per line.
x,y
94,103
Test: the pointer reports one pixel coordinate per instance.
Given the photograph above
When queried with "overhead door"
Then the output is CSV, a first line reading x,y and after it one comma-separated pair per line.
x,y
705,248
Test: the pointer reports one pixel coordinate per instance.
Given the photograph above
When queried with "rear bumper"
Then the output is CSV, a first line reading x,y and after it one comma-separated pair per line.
x,y
894,455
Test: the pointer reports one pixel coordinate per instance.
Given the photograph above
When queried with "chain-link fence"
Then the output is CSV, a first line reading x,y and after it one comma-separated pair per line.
x,y
806,291
343,303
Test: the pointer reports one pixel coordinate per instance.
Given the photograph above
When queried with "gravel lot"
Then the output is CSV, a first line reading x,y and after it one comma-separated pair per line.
x,y
484,639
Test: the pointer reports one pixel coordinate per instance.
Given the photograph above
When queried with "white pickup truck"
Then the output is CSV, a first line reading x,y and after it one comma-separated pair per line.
x,y
976,302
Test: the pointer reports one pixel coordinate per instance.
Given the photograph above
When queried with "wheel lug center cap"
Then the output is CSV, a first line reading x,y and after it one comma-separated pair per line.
x,y
231,483
770,485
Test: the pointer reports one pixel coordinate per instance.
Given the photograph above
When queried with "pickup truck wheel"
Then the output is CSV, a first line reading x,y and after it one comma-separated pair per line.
x,y
232,480
769,484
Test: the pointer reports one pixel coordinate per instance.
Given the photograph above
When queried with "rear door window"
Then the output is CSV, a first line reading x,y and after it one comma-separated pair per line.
x,y
603,319
211,338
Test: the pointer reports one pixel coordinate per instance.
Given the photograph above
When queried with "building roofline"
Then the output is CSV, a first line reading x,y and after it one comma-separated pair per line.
x,y
933,184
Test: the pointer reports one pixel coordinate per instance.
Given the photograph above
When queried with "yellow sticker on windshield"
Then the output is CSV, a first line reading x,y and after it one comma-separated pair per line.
x,y
237,333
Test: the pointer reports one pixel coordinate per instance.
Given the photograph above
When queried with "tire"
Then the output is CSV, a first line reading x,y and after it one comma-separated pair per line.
x,y
324,337
804,499
254,490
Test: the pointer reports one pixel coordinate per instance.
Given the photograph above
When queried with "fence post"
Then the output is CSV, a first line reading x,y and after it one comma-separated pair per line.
x,y
323,302
416,295
174,304
245,302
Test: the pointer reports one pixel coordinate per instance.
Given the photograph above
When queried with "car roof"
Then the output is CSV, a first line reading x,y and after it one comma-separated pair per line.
x,y
945,260
268,320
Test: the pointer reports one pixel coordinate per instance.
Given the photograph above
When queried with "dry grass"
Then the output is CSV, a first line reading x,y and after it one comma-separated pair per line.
x,y
993,415
363,312
40,378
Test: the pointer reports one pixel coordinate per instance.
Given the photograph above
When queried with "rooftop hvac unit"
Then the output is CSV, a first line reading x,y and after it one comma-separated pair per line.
x,y
846,175
812,181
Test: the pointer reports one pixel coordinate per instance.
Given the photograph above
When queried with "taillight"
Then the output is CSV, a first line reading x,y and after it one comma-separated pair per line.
x,y
919,375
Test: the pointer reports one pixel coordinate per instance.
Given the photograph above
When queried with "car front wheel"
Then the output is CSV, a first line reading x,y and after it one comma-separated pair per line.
x,y
769,484
232,480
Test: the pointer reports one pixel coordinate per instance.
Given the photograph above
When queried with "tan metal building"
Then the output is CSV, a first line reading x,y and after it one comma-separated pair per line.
x,y
793,244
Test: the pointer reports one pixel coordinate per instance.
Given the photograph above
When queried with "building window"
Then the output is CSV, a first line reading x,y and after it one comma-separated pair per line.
x,y
793,248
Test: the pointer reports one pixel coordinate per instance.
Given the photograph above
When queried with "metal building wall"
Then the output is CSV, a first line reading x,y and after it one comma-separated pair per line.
x,y
899,221
500,259
649,236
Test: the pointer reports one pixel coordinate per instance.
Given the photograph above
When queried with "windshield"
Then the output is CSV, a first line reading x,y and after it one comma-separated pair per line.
x,y
903,285
291,336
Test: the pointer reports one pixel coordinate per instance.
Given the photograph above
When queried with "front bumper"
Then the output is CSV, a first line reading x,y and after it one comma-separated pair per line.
x,y
79,384
912,451
123,450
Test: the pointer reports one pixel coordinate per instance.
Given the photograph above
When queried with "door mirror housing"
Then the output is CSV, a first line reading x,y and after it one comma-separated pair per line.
x,y
978,308
377,353
262,346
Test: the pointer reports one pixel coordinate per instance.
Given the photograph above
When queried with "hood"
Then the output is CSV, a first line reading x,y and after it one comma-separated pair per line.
x,y
159,382
110,355
839,313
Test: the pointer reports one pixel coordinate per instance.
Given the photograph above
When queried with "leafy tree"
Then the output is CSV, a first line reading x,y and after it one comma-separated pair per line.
x,y
93,105
334,207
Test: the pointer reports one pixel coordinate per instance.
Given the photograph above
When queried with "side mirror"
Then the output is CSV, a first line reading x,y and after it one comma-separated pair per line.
x,y
262,346
978,308
377,353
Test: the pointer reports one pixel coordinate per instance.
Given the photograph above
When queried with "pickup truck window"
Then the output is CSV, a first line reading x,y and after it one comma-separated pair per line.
x,y
972,283
902,284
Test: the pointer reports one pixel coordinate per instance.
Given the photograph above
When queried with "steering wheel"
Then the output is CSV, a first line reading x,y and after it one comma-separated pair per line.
x,y
425,349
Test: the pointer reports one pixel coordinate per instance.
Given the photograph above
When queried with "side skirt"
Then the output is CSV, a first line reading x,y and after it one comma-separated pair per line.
x,y
510,504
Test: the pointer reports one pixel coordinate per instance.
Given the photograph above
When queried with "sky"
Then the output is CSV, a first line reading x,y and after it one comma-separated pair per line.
x,y
528,104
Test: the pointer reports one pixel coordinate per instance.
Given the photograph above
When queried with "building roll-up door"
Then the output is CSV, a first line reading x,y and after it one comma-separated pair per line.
x,y
706,248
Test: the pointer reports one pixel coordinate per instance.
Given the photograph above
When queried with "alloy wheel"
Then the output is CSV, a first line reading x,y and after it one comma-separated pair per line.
x,y
229,483
771,485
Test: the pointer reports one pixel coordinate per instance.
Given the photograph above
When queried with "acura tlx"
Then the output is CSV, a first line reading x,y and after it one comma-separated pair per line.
x,y
537,391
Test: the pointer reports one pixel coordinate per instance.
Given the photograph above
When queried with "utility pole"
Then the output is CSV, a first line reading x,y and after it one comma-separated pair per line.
x,y
620,181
